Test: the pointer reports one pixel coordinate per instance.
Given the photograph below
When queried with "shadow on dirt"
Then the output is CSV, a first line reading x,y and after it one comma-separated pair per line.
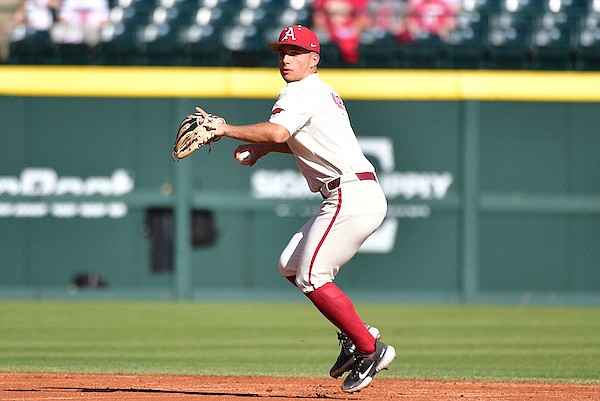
x,y
201,393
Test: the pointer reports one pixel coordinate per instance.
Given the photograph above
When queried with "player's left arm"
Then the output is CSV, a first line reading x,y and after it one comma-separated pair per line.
x,y
260,133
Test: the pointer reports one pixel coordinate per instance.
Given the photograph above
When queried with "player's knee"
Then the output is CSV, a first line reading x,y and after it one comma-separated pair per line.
x,y
288,274
285,272
307,286
304,285
291,279
309,283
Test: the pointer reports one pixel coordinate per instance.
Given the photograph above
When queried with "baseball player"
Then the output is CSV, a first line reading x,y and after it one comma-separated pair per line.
x,y
309,121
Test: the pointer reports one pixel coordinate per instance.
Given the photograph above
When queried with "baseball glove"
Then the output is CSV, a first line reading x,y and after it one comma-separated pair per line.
x,y
195,131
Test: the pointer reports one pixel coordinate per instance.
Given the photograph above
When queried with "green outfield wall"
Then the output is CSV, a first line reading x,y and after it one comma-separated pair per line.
x,y
493,183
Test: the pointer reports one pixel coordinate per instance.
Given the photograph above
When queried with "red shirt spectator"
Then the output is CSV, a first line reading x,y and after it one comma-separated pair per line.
x,y
342,21
430,17
388,16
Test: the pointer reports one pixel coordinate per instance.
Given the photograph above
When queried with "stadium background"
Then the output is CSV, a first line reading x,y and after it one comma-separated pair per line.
x,y
492,176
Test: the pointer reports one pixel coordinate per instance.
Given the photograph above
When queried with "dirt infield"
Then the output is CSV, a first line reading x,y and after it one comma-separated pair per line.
x,y
37,387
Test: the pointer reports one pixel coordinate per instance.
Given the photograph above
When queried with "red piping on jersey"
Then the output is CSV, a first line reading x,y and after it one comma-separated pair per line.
x,y
312,261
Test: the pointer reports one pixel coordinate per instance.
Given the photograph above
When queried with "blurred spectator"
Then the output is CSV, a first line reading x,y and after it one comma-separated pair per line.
x,y
80,21
430,17
8,9
31,18
341,21
38,15
388,16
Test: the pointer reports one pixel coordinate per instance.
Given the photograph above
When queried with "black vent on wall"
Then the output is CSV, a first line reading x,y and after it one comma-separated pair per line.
x,y
160,230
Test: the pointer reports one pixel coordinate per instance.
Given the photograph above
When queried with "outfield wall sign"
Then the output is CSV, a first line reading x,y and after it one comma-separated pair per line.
x,y
411,186
36,186
289,184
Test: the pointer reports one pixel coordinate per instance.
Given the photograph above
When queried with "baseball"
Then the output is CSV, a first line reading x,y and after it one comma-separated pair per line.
x,y
244,155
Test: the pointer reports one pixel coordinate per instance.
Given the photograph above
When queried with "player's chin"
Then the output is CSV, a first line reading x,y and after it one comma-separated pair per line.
x,y
287,75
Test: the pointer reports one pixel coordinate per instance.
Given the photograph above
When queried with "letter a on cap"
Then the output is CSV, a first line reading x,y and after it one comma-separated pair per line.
x,y
297,35
289,33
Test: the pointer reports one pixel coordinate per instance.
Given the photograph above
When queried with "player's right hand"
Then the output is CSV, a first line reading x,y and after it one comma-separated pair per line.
x,y
247,154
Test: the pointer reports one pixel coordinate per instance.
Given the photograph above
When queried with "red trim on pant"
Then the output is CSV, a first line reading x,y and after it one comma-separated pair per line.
x,y
312,261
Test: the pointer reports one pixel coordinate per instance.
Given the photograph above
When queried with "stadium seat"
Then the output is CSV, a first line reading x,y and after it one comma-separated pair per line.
x,y
138,13
508,41
574,8
484,7
200,45
182,13
256,17
528,8
552,50
588,50
331,56
426,52
465,49
156,45
510,53
229,9
466,45
71,54
117,45
28,46
378,50
118,40
245,45
551,42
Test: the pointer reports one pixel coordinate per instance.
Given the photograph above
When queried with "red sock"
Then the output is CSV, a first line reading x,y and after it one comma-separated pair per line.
x,y
339,310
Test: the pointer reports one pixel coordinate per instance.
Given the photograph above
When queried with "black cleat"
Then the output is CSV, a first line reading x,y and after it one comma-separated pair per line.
x,y
367,366
345,359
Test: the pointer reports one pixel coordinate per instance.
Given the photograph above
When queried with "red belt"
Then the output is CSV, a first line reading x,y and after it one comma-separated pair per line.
x,y
333,184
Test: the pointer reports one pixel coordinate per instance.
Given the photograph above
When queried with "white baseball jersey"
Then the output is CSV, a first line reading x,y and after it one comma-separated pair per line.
x,y
326,149
323,140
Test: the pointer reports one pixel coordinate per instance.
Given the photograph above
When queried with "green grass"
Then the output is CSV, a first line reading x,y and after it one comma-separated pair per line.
x,y
291,339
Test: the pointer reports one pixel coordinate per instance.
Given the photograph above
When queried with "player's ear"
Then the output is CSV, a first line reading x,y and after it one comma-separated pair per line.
x,y
315,59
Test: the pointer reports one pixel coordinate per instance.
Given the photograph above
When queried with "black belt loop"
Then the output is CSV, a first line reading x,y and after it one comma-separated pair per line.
x,y
333,184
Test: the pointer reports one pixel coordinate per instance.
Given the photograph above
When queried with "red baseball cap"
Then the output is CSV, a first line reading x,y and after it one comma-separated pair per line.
x,y
297,35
